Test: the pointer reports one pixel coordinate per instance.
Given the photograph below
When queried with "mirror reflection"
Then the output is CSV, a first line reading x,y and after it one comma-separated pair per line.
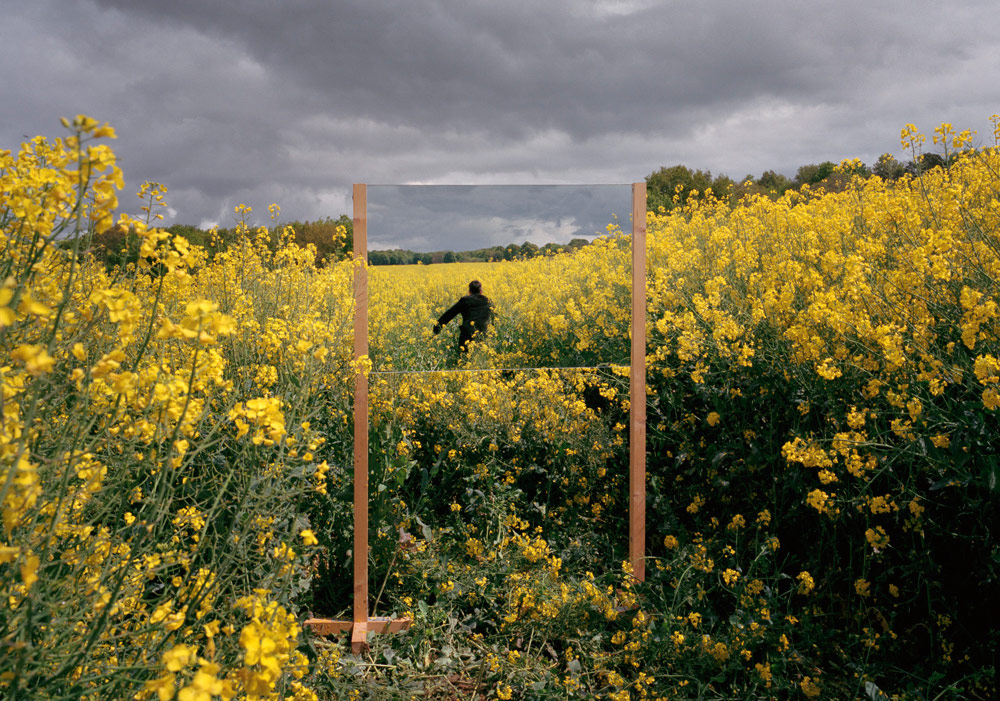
x,y
492,277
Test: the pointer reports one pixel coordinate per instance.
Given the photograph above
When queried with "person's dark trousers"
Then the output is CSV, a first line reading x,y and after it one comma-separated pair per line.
x,y
465,334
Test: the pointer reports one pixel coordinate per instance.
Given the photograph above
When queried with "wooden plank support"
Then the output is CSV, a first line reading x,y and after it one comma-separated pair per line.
x,y
637,389
376,624
328,626
360,416
361,624
359,638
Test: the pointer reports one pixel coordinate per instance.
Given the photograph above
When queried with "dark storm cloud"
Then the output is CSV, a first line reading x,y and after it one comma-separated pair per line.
x,y
258,102
513,68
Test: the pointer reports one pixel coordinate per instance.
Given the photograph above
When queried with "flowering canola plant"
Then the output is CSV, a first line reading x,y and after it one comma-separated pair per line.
x,y
150,480
175,450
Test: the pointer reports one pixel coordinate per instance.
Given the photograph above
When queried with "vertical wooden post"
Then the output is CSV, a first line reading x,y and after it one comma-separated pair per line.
x,y
360,629
637,389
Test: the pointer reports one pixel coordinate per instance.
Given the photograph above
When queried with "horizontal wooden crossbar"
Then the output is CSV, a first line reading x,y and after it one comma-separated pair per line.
x,y
358,630
376,624
442,371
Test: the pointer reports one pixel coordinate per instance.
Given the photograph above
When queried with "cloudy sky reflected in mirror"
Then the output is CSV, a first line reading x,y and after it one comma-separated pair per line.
x,y
429,218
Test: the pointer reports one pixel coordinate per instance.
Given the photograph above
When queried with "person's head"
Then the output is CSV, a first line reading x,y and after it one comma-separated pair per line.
x,y
475,287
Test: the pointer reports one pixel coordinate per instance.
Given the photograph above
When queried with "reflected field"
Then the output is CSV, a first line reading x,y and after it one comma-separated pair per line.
x,y
539,319
562,244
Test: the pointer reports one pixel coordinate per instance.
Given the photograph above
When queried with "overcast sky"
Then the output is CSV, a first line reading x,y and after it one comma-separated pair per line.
x,y
431,218
229,102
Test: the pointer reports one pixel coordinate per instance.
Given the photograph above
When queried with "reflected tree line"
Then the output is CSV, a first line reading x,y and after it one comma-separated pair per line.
x,y
511,251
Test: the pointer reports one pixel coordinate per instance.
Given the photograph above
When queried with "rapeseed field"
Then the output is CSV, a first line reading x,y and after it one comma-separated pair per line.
x,y
823,382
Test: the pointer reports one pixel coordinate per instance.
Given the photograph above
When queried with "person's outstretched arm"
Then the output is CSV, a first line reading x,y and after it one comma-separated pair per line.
x,y
456,308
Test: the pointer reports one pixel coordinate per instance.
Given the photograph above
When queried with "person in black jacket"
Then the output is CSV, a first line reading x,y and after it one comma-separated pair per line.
x,y
476,310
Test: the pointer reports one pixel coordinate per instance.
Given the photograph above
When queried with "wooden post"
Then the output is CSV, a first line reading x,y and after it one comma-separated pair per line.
x,y
637,389
361,624
360,419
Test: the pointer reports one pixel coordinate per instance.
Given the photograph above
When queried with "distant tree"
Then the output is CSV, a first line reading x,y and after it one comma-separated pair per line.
x,y
812,174
348,224
888,168
675,183
722,186
511,251
194,235
395,256
924,162
857,169
450,257
118,246
333,238
669,187
577,243
529,250
771,182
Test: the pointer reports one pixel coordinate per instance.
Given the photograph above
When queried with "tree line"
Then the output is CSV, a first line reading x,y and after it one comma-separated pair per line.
x,y
672,187
666,188
333,240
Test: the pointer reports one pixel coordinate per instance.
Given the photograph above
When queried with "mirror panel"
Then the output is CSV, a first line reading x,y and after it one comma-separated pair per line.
x,y
553,261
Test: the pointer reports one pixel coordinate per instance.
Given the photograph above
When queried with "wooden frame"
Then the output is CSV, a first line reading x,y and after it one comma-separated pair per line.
x,y
637,390
362,624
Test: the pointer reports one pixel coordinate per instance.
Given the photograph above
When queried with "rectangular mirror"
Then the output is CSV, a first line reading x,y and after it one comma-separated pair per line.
x,y
553,262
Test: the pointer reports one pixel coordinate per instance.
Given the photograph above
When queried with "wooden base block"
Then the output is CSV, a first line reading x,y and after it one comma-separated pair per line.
x,y
359,638
328,626
359,631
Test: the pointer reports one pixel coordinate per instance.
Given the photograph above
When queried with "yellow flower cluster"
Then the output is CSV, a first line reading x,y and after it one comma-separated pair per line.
x,y
268,643
136,443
